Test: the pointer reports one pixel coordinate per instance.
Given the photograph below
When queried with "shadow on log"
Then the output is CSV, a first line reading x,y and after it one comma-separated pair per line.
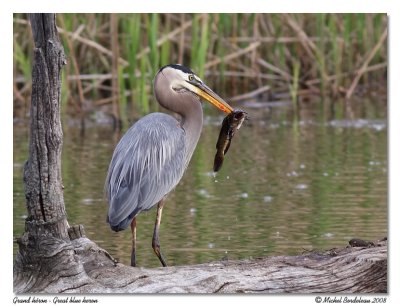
x,y
82,267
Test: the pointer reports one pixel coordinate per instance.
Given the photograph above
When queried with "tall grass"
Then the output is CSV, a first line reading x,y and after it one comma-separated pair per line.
x,y
22,61
194,50
153,31
132,32
297,53
143,97
203,46
294,87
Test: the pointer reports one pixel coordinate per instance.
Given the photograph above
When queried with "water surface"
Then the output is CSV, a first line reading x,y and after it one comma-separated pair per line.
x,y
289,183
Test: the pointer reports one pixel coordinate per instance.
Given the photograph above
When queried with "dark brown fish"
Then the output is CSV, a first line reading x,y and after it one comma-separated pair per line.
x,y
231,123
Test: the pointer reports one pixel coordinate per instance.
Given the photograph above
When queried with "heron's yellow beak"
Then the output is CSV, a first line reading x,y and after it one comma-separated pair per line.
x,y
207,94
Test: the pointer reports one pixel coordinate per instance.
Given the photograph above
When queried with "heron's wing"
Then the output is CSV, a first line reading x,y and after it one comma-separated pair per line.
x,y
148,163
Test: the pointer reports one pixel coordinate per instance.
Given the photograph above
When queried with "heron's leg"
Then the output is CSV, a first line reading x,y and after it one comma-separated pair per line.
x,y
133,254
156,242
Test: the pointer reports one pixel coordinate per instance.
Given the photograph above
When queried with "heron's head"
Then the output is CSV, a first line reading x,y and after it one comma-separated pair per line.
x,y
180,79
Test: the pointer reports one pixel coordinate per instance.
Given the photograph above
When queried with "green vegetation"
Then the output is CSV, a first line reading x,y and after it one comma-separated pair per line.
x,y
297,54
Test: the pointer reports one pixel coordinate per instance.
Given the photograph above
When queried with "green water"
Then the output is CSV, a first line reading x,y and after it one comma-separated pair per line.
x,y
288,184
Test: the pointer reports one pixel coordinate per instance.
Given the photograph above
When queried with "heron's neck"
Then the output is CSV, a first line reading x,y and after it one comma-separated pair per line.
x,y
186,105
192,123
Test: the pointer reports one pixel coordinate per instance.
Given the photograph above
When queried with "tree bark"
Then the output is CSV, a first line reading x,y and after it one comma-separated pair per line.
x,y
42,172
46,221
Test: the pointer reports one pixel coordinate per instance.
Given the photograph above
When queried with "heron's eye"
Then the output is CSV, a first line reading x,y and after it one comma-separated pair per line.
x,y
191,77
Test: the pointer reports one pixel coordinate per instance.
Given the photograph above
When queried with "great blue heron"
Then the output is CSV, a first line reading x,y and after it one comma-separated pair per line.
x,y
150,159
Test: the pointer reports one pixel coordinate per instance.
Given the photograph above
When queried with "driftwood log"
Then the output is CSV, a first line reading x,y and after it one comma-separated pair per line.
x,y
82,267
54,258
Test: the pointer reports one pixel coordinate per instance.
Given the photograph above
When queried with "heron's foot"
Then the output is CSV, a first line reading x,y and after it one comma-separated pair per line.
x,y
157,250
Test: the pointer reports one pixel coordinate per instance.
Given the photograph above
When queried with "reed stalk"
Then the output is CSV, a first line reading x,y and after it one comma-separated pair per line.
x,y
325,54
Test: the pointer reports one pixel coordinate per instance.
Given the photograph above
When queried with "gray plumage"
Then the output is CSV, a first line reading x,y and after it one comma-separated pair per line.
x,y
147,164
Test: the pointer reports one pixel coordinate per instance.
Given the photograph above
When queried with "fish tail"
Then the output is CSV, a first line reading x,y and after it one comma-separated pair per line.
x,y
218,160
